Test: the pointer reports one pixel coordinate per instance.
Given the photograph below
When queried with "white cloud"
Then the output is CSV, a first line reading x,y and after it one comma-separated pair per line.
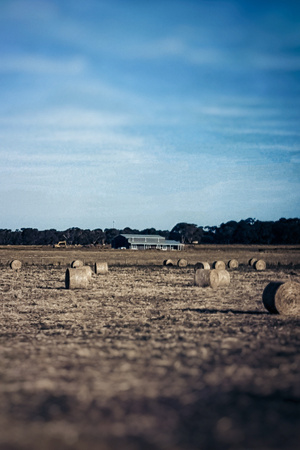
x,y
38,64
67,117
236,111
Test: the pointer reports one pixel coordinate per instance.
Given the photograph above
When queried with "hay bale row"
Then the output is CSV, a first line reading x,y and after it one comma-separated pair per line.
x,y
180,263
100,268
218,265
231,264
79,277
257,264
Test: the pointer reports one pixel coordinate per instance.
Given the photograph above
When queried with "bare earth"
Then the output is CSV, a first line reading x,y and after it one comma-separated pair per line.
x,y
145,360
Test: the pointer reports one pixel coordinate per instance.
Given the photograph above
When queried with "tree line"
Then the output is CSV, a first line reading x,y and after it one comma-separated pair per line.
x,y
249,231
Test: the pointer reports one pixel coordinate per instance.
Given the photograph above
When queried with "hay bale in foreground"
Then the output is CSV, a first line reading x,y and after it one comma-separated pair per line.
x,y
224,277
219,265
101,268
168,262
15,264
206,278
77,278
76,263
233,264
182,262
260,265
202,265
252,261
282,298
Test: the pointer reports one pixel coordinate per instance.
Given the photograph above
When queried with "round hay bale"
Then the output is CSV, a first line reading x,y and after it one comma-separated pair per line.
x,y
168,262
252,261
219,265
76,263
77,278
224,277
233,264
15,264
260,265
282,298
202,265
182,262
205,278
101,268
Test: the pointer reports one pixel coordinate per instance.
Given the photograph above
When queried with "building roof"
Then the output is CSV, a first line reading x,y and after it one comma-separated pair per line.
x,y
149,239
172,242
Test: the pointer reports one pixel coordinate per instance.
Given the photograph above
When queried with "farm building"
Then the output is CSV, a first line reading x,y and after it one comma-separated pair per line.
x,y
144,242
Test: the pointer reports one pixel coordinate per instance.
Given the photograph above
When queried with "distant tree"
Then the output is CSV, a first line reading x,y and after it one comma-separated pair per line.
x,y
128,230
224,234
149,231
209,234
48,237
30,236
186,233
207,238
110,233
71,235
249,231
98,236
5,237
85,237
245,233
264,232
164,233
16,237
286,231
250,221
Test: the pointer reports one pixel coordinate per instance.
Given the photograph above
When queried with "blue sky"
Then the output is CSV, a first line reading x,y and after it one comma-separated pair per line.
x,y
148,113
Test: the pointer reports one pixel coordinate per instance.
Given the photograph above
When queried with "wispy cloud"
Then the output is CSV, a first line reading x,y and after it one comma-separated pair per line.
x,y
38,64
279,62
67,118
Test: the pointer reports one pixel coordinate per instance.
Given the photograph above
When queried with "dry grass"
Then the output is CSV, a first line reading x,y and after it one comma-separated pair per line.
x,y
143,359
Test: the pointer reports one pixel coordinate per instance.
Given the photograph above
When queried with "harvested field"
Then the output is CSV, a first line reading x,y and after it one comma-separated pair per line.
x,y
62,257
143,359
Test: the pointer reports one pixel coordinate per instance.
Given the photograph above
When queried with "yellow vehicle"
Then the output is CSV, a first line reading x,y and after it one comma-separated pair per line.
x,y
60,244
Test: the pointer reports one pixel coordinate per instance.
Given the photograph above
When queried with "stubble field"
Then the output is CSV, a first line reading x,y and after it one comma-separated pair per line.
x,y
142,359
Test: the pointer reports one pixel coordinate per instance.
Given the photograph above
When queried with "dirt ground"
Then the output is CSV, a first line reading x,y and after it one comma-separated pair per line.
x,y
144,360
